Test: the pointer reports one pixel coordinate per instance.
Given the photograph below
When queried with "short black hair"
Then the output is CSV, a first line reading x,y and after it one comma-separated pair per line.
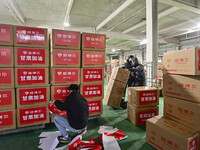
x,y
73,87
131,56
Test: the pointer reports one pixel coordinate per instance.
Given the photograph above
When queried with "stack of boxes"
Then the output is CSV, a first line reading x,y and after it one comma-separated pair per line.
x,y
142,104
31,54
116,87
92,71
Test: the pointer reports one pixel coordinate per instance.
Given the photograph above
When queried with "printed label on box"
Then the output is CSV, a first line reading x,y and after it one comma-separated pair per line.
x,y
66,38
193,145
30,115
67,57
94,41
29,76
6,118
93,58
144,115
5,76
30,56
27,35
90,91
5,33
94,106
6,98
5,56
90,75
29,96
61,93
148,97
66,75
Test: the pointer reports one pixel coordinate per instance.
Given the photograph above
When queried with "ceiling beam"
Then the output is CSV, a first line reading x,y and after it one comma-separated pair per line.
x,y
115,13
69,7
181,5
121,43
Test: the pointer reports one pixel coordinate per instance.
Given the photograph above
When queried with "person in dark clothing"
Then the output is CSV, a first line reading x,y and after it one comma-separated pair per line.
x,y
77,114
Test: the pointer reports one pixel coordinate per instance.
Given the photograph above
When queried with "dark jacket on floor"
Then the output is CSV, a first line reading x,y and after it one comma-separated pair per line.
x,y
77,110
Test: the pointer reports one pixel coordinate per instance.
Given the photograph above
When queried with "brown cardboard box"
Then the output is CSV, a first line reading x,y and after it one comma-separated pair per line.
x,y
112,100
160,74
138,116
32,116
184,112
7,99
95,107
182,62
30,37
66,39
92,75
183,87
6,78
27,97
120,74
31,77
165,134
31,57
7,119
116,87
143,96
66,58
93,42
59,92
65,76
6,34
6,57
160,66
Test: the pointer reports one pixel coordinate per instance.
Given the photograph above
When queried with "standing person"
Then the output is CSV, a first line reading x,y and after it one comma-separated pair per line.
x,y
77,114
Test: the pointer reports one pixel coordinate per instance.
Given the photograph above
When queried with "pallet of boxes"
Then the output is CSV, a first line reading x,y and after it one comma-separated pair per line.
x,y
179,128
92,71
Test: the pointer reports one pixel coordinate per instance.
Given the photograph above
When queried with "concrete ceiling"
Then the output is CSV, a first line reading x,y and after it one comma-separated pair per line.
x,y
123,21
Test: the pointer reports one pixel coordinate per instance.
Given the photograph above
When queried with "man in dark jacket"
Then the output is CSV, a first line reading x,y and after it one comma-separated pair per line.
x,y
77,114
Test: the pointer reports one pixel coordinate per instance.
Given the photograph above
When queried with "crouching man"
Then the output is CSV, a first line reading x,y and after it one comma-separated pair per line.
x,y
77,115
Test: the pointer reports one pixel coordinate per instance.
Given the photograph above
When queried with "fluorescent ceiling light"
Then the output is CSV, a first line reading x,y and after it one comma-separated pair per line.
x,y
67,24
113,50
144,41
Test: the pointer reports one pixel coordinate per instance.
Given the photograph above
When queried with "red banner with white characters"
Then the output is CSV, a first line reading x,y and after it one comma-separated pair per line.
x,y
148,97
194,144
144,115
66,75
5,33
5,76
67,57
5,56
94,58
33,95
66,38
29,76
60,93
6,97
53,109
94,41
30,56
94,106
30,115
90,75
28,35
90,91
6,118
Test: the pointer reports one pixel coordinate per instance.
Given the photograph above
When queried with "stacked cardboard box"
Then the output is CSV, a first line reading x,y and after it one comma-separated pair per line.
x,y
92,71
116,87
142,104
7,91
31,55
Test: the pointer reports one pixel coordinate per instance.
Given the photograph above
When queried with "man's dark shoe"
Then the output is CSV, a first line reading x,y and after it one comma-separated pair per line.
x,y
63,139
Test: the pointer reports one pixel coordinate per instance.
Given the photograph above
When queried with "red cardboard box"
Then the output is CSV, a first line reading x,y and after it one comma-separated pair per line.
x,y
30,37
65,76
6,78
6,57
69,58
7,120
6,35
32,116
31,57
92,91
66,39
7,99
59,92
93,41
32,96
31,77
92,75
95,107
92,59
